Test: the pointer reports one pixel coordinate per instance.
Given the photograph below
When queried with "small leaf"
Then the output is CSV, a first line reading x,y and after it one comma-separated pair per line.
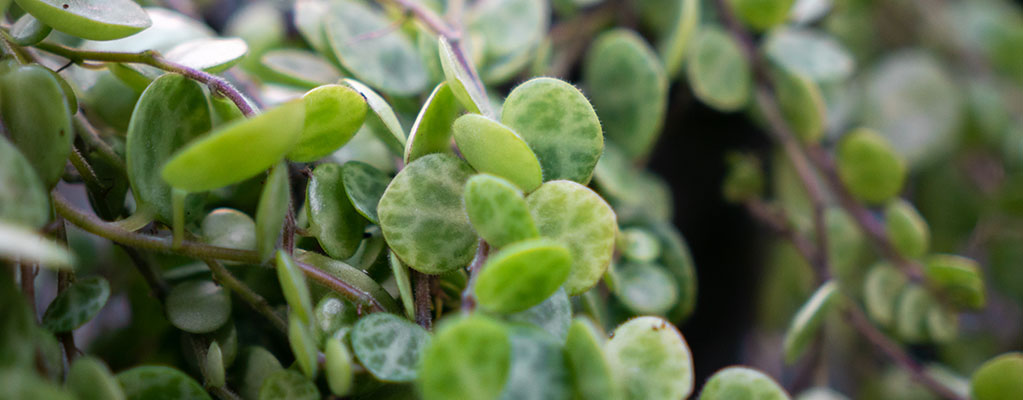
x,y
225,227
90,19
338,368
364,186
998,378
274,201
718,70
942,324
672,48
90,379
209,54
257,364
652,359
37,117
552,315
20,244
461,81
522,275
295,289
367,291
333,113
576,216
287,384
334,318
385,125
810,53
236,151
761,14
742,382
388,62
906,229
809,320
493,148
958,278
498,211
509,26
537,367
911,314
76,305
881,290
468,358
159,382
431,133
802,105
640,245
404,284
23,197
591,372
303,346
213,368
422,216
629,89
644,288
559,125
300,68
333,220
198,306
389,346
869,167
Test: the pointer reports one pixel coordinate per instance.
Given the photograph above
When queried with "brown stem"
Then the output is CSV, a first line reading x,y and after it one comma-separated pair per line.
x,y
424,300
482,252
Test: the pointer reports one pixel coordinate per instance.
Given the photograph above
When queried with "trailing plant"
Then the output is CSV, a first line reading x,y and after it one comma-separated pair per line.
x,y
404,199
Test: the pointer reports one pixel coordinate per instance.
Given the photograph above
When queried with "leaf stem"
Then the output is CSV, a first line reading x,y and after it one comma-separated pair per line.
x,y
424,299
468,298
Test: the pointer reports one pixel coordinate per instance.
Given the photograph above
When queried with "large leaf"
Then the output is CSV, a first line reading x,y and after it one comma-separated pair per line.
x,y
998,378
90,19
333,113
652,359
469,358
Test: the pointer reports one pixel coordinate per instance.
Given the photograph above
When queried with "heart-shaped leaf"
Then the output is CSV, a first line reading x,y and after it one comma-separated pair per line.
x,y
422,216
809,320
333,219
333,113
236,151
741,382
522,275
559,124
431,132
591,372
652,359
274,201
718,70
159,382
198,306
509,26
77,304
629,89
493,148
498,211
37,118
288,384
364,186
577,217
468,358
23,197
90,19
389,346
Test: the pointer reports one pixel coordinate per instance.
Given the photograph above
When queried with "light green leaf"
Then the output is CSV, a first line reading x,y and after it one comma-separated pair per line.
x,y
461,81
213,368
226,227
468,358
23,197
236,151
338,367
810,53
509,26
295,289
288,384
389,346
76,305
431,133
90,19
333,113
364,186
37,118
27,30
498,211
911,313
152,382
333,318
646,289
90,379
591,372
673,46
303,346
537,367
20,244
522,275
198,306
209,54
422,216
869,167
958,278
802,105
652,359
906,229
553,315
998,378
385,126
639,245
576,216
333,219
809,319
761,14
718,70
741,383
493,148
272,210
881,290
300,68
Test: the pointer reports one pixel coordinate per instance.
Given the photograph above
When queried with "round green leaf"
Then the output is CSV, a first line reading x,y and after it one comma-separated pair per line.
x,y
629,89
431,133
198,306
333,219
958,278
257,364
906,229
644,288
333,318
553,315
364,186
998,378
27,31
461,81
522,275
295,289
333,113
537,367
498,211
718,70
90,19
152,382
673,46
761,14
76,305
809,53
386,61
652,359
299,68
226,227
422,216
869,167
468,358
808,320
236,151
576,216
209,54
802,105
881,290
640,245
338,368
559,124
213,368
172,111
493,148
37,118
509,26
90,379
389,346
287,384
591,372
23,197
303,346
385,125
742,383
272,210
20,244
